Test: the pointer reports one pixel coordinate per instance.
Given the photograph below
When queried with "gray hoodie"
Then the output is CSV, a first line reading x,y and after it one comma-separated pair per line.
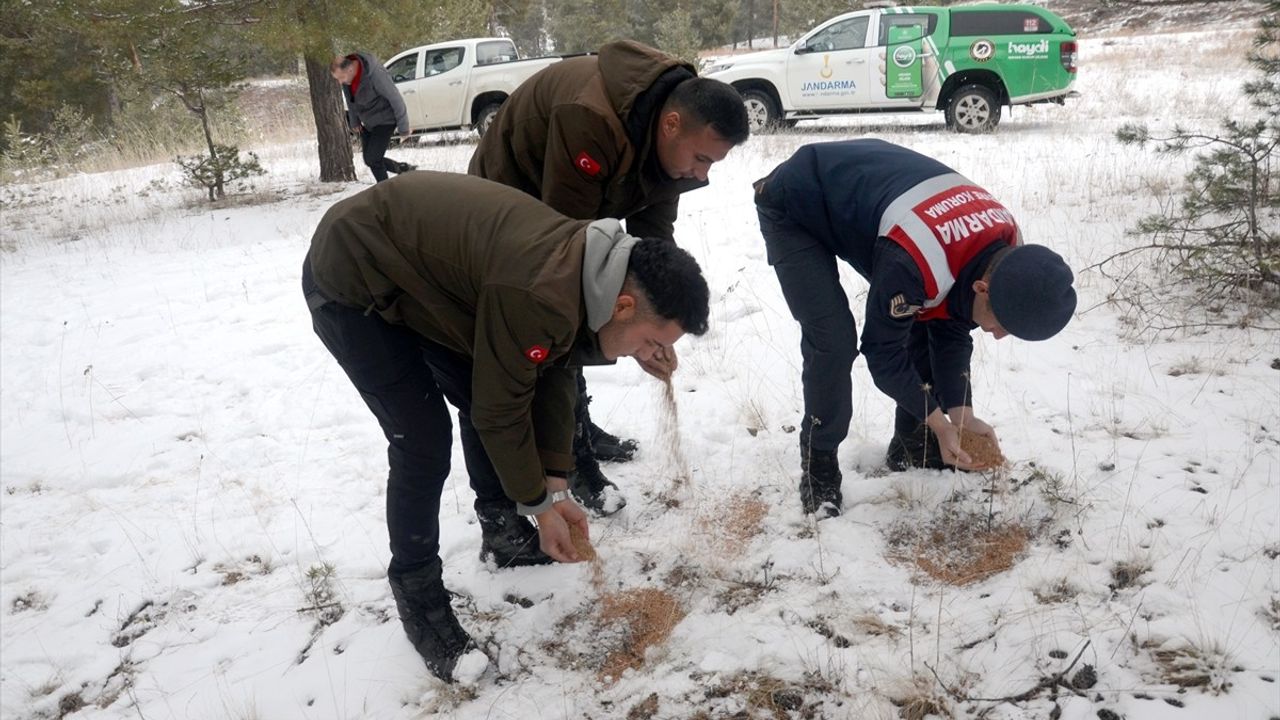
x,y
605,257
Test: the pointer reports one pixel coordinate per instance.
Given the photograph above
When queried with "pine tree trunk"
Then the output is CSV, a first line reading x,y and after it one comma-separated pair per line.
x,y
214,161
331,124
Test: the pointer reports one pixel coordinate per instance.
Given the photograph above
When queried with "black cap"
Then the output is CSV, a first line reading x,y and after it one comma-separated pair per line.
x,y
1031,293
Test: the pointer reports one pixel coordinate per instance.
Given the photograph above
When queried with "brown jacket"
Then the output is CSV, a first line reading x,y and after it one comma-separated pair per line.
x,y
490,273
579,136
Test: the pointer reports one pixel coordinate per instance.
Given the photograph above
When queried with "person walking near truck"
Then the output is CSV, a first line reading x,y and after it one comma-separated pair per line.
x,y
375,110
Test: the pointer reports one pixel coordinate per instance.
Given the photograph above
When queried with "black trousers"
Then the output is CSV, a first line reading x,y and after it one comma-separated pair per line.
x,y
810,281
405,379
373,145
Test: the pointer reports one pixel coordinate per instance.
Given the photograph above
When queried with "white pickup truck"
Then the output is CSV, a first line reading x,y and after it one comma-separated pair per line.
x,y
461,83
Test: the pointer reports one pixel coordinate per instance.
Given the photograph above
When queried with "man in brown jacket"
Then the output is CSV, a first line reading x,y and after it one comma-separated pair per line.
x,y
435,287
621,134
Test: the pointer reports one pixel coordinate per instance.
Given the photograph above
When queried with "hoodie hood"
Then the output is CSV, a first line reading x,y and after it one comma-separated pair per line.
x,y
629,69
605,257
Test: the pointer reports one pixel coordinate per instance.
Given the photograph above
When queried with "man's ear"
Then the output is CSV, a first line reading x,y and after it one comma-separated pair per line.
x,y
624,308
670,123
981,287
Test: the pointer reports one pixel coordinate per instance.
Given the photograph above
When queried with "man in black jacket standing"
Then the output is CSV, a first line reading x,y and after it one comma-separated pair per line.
x,y
943,257
374,109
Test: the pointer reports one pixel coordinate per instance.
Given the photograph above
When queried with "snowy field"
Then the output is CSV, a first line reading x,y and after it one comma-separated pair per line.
x,y
193,493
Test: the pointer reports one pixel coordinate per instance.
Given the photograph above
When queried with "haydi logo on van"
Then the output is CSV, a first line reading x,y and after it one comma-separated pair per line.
x,y
1019,50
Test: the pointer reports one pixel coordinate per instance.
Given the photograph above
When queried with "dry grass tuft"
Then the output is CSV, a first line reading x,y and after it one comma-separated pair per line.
x,y
1270,612
1127,573
919,699
1058,591
766,696
1207,667
648,616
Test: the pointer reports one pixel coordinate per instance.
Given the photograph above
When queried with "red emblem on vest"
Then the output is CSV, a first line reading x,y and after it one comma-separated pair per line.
x,y
587,164
536,354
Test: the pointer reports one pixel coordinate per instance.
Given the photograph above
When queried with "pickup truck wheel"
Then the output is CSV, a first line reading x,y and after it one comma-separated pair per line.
x,y
973,109
762,111
485,118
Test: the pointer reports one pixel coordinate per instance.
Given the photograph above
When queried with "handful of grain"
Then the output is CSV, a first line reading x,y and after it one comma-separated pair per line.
x,y
581,544
983,450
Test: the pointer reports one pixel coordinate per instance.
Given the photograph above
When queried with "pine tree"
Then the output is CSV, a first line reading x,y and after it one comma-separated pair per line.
x,y
180,48
1224,236
49,64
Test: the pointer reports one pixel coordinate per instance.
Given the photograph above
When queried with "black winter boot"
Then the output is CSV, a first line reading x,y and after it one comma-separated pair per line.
x,y
820,483
507,538
591,488
428,619
918,449
607,447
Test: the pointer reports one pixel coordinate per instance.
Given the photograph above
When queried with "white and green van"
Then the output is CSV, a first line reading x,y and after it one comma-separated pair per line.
x,y
967,61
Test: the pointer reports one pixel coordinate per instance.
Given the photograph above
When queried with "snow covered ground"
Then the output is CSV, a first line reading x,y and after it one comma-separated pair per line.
x,y
192,490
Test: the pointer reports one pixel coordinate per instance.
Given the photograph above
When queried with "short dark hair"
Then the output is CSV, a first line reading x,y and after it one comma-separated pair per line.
x,y
672,282
714,103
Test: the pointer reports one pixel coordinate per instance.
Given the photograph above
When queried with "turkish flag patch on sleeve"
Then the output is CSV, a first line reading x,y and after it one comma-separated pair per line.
x,y
536,354
587,164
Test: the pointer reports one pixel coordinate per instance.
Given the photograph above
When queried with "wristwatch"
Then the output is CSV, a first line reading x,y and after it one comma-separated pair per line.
x,y
548,499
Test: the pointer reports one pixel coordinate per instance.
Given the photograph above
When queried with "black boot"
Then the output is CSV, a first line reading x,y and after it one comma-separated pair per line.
x,y
428,619
917,449
820,483
507,538
608,447
591,488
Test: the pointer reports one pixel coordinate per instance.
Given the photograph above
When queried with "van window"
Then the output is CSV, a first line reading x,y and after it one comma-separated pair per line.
x,y
495,51
927,23
997,22
404,69
848,34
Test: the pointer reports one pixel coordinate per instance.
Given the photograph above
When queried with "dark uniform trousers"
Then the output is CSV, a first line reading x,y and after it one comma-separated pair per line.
x,y
405,379
810,283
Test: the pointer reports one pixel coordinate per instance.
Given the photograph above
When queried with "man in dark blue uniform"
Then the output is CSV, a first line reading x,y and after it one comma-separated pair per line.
x,y
943,257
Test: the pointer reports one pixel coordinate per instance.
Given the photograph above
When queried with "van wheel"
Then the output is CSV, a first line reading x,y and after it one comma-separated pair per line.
x,y
973,109
485,118
762,111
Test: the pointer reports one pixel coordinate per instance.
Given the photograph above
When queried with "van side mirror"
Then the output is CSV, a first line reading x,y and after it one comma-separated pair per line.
x,y
802,48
